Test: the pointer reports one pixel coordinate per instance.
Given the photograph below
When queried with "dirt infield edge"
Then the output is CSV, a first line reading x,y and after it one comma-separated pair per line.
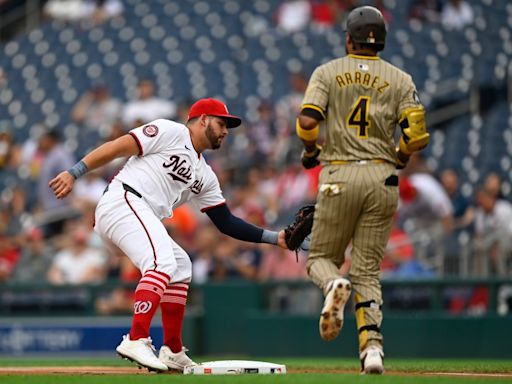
x,y
96,370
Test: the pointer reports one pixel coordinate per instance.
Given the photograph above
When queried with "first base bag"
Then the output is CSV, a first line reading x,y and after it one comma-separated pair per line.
x,y
235,367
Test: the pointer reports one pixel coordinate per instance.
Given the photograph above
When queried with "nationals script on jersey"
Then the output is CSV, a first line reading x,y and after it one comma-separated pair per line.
x,y
168,170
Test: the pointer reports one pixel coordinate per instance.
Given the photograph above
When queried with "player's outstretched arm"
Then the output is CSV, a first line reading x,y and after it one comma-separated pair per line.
x,y
237,228
124,146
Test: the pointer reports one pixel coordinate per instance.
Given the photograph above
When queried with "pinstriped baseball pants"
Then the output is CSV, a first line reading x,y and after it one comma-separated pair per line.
x,y
355,202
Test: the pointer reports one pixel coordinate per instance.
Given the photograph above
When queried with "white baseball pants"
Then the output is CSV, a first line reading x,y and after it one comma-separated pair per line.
x,y
129,222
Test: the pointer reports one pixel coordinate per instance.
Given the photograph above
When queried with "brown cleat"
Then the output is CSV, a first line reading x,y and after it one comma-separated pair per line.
x,y
331,319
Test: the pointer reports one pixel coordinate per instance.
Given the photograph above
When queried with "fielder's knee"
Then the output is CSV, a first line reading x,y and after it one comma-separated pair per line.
x,y
166,265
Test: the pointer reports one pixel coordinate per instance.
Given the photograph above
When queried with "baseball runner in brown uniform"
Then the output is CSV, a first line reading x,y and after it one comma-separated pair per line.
x,y
361,98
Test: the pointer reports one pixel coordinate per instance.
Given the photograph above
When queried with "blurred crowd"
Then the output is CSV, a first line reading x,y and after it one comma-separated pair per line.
x,y
260,173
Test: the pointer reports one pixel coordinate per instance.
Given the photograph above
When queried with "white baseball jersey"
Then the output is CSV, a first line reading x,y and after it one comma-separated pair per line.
x,y
168,171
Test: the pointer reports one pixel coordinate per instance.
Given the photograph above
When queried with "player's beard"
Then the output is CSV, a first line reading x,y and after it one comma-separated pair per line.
x,y
215,141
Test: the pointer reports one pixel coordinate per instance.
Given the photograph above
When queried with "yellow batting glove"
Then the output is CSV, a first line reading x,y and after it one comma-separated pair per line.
x,y
408,144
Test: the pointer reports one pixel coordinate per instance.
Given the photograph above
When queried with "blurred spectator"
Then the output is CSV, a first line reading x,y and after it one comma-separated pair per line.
x,y
426,214
105,10
492,214
241,154
456,14
116,130
493,229
202,253
68,10
9,255
10,152
108,171
96,110
263,130
252,204
424,202
147,107
15,217
292,187
293,15
463,213
287,108
456,251
492,184
280,264
89,189
90,12
183,226
55,160
267,190
120,300
399,258
31,156
399,249
425,10
230,261
182,110
35,258
78,263
326,14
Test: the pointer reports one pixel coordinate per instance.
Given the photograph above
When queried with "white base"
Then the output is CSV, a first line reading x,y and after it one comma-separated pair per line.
x,y
235,367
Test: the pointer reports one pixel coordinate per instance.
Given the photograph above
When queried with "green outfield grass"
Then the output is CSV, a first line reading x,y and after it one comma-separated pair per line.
x,y
399,371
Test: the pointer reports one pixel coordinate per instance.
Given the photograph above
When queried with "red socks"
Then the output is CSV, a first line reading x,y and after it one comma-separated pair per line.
x,y
148,294
173,310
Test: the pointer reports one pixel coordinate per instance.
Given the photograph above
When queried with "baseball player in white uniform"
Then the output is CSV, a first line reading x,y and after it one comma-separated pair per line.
x,y
164,170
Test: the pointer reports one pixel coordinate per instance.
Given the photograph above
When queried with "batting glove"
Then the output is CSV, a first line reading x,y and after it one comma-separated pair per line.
x,y
310,159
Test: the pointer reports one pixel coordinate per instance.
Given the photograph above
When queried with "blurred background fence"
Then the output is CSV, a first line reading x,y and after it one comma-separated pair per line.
x,y
423,318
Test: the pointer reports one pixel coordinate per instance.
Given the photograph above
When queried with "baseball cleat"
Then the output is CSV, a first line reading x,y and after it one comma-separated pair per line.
x,y
141,352
331,319
173,360
372,361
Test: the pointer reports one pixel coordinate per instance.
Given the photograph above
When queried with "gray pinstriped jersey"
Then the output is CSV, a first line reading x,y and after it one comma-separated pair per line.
x,y
362,98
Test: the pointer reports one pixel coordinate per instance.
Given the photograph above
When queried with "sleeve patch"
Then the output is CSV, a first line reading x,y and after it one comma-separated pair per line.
x,y
150,130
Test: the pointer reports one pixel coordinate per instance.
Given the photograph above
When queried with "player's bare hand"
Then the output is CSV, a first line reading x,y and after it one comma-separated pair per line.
x,y
280,239
62,185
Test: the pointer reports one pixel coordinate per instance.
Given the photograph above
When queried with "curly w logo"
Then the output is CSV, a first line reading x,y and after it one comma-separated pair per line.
x,y
142,307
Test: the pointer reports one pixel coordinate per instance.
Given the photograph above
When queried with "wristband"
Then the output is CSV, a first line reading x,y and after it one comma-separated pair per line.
x,y
78,170
269,237
307,134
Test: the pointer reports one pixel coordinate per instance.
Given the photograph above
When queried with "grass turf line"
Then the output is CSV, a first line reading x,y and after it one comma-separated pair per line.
x,y
402,365
249,379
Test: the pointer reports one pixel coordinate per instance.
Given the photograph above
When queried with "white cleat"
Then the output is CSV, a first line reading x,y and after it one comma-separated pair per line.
x,y
141,352
331,319
173,360
372,361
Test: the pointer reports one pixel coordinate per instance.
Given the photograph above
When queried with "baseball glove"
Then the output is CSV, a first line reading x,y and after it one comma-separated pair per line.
x,y
296,232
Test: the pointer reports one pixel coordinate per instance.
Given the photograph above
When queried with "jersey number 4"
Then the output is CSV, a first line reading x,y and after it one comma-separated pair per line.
x,y
358,116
